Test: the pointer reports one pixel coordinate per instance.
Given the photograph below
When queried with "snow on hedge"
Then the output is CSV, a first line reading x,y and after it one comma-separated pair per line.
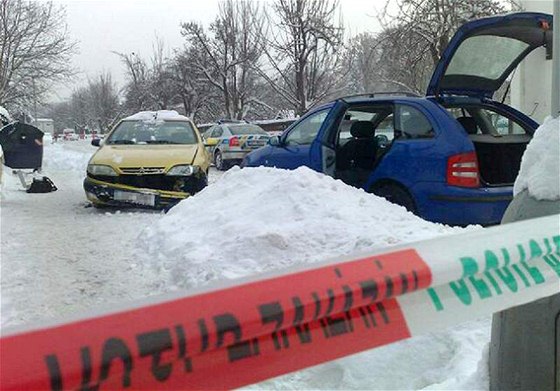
x,y
540,166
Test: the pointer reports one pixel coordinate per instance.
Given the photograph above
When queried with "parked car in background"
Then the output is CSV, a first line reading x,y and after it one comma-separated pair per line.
x,y
96,135
150,159
69,135
229,142
450,157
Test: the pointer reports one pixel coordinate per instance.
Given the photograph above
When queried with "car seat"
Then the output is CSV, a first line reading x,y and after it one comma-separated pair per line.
x,y
361,149
469,123
356,158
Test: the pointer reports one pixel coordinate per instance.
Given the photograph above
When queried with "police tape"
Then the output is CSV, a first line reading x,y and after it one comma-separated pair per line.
x,y
227,337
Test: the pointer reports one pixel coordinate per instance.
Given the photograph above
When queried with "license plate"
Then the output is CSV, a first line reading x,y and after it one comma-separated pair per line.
x,y
136,198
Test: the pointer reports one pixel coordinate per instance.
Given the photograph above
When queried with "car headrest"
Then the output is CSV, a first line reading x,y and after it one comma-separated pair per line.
x,y
362,129
469,124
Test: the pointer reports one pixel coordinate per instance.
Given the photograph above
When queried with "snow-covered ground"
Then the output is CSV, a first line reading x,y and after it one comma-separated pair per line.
x,y
59,256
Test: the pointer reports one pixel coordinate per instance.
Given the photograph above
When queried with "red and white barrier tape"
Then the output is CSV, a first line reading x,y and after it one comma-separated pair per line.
x,y
232,336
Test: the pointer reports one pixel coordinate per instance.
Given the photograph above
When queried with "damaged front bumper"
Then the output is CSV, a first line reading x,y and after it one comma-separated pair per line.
x,y
101,193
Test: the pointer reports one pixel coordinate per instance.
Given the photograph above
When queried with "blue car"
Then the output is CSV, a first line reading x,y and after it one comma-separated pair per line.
x,y
450,157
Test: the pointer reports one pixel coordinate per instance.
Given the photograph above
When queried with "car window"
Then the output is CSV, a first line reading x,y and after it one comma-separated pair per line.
x,y
208,132
305,131
380,116
386,127
412,123
240,129
153,132
217,132
485,56
485,121
501,124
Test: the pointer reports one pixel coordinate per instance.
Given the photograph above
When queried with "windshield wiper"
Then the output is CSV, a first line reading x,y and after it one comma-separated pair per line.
x,y
161,142
121,142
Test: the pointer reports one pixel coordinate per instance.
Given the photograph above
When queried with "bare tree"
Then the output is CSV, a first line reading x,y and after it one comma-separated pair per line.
x,y
435,21
163,91
138,83
35,50
417,33
198,96
303,51
103,102
362,60
91,107
230,53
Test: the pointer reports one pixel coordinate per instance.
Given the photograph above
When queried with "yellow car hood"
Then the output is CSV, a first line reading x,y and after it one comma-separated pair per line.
x,y
145,155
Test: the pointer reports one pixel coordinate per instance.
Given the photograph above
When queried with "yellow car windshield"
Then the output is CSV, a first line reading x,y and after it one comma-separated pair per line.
x,y
153,132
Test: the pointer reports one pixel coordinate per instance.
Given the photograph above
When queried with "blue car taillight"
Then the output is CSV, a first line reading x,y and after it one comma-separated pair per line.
x,y
462,170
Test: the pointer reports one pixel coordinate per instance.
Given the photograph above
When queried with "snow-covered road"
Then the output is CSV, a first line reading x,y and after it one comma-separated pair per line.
x,y
59,256
70,256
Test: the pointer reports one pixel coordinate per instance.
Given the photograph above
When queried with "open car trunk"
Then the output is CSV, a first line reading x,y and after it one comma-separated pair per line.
x,y
499,158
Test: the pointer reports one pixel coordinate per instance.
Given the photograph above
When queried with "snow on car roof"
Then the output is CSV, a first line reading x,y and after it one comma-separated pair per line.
x,y
162,115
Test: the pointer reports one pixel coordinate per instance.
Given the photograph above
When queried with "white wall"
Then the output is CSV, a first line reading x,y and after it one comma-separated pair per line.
x,y
531,84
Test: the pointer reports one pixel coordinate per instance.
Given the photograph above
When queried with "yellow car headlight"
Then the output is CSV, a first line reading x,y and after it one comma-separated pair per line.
x,y
101,169
183,170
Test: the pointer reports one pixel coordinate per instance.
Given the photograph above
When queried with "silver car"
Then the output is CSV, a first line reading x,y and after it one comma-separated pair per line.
x,y
228,143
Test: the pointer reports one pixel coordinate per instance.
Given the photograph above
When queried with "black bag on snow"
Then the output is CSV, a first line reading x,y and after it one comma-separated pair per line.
x,y
44,185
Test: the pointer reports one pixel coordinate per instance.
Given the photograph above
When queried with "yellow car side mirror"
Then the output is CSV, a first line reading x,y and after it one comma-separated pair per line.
x,y
211,142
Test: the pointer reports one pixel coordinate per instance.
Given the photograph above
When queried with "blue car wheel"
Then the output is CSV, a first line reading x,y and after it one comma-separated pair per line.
x,y
396,195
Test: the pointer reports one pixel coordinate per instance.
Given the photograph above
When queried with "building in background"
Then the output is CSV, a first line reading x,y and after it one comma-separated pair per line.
x,y
46,125
532,81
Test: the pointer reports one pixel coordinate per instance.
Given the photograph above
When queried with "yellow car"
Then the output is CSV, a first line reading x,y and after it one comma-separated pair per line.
x,y
150,159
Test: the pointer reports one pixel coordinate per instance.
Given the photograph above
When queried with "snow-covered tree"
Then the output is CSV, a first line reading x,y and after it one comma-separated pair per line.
x,y
93,107
229,53
304,51
416,32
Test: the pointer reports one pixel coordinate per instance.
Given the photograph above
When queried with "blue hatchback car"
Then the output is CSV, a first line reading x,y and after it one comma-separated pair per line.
x,y
450,157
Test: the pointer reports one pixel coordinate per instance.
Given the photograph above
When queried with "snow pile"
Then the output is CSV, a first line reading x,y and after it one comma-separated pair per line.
x,y
540,167
260,219
455,359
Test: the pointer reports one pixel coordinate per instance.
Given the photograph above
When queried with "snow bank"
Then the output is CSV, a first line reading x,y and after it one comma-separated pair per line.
x,y
260,219
456,359
162,115
540,167
67,156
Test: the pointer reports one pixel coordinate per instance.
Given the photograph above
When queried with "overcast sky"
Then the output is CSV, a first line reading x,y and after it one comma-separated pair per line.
x,y
103,26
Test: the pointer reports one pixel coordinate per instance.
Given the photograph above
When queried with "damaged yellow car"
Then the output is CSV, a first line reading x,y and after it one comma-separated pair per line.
x,y
150,159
